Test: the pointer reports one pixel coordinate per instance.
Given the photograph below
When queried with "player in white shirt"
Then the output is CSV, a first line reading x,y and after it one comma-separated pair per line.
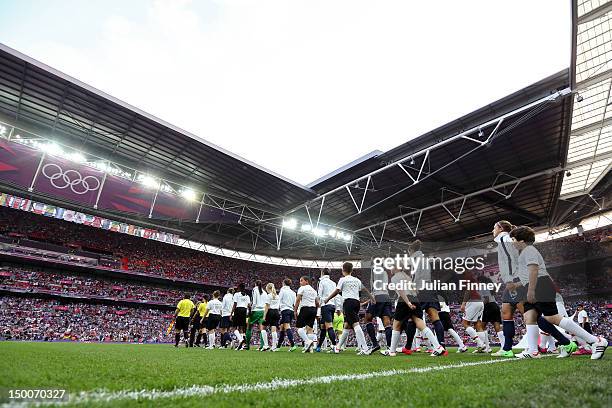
x,y
583,321
239,314
286,299
541,296
448,325
213,311
306,304
256,316
226,322
327,310
272,314
408,309
349,286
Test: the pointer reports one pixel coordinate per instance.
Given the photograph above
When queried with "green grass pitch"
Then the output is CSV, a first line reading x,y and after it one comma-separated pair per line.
x,y
103,375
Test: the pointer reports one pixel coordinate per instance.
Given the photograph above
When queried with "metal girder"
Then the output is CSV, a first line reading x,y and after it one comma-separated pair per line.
x,y
465,135
462,198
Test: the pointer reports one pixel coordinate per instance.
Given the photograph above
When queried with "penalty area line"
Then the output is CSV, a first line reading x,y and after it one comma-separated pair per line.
x,y
105,396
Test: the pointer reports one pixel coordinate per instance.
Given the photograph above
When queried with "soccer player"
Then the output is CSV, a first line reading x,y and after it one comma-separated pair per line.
x,y
226,312
182,315
256,317
583,321
541,296
472,309
407,310
326,287
239,314
514,293
381,309
213,313
286,299
271,315
428,299
491,314
196,322
338,321
306,304
448,325
349,286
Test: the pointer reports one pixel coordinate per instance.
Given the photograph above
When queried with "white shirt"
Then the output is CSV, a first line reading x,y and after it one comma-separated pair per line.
x,y
272,303
258,299
403,278
326,287
227,304
583,317
444,307
380,281
422,273
286,298
241,300
338,302
214,307
530,256
349,286
309,296
507,257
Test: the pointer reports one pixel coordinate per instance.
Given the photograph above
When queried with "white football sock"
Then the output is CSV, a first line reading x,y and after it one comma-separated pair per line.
x,y
361,341
474,336
533,333
343,338
264,337
274,339
484,339
433,340
573,327
456,337
501,338
303,335
395,337
238,336
211,340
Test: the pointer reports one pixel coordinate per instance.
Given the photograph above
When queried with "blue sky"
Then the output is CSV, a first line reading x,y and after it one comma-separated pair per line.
x,y
299,87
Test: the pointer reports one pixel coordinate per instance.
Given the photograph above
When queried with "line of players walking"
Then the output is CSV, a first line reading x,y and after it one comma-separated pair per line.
x,y
528,289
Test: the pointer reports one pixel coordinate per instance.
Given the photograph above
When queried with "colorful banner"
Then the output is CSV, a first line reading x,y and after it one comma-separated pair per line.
x,y
169,206
124,195
69,180
18,163
24,204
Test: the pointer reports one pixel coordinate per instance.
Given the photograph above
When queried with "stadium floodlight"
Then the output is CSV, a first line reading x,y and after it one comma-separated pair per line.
x,y
149,181
306,227
52,149
319,232
290,223
188,194
76,157
2,130
332,233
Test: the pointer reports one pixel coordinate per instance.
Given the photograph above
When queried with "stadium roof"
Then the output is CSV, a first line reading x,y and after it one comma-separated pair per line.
x,y
508,160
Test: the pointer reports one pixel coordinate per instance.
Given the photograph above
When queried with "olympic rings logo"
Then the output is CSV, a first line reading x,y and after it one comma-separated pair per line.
x,y
72,179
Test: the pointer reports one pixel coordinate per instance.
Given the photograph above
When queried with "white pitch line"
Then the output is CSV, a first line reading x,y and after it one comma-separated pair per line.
x,y
104,396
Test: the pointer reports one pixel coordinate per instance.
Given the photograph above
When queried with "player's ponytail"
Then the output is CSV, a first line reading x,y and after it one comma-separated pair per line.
x,y
271,290
242,289
505,225
259,286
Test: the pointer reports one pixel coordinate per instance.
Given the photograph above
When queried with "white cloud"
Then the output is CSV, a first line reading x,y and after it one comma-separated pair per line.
x,y
304,87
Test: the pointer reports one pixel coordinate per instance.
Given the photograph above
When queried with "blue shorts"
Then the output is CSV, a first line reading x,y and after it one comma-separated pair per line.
x,y
226,322
380,309
327,313
286,316
515,297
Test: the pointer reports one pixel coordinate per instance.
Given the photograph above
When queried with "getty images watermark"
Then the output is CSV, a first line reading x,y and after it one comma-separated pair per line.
x,y
420,268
